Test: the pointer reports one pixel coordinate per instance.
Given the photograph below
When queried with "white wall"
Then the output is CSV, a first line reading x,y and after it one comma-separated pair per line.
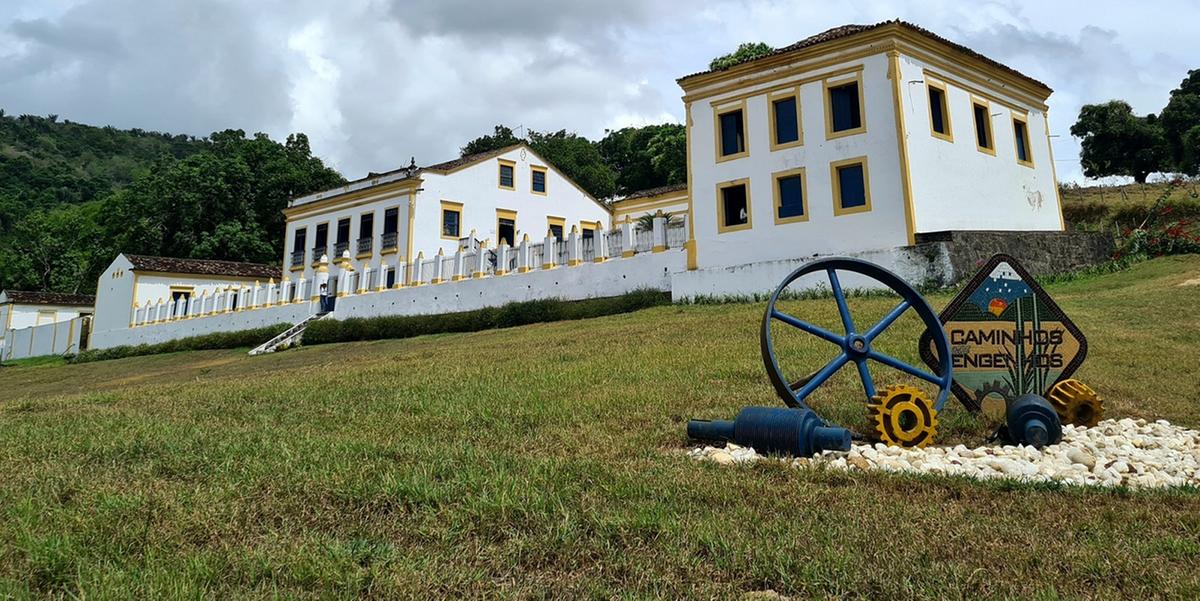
x,y
589,280
57,338
882,227
26,316
208,324
377,204
957,187
476,187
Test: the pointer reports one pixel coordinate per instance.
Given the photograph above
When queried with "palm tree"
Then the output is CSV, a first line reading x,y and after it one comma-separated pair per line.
x,y
646,222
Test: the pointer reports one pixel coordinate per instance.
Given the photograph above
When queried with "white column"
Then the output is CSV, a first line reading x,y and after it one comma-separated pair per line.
x,y
401,272
436,272
459,267
481,254
600,244
364,279
658,233
383,271
574,248
418,269
548,250
501,258
628,240
523,257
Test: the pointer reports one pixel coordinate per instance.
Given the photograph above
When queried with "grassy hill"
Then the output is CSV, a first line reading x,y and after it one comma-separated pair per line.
x,y
546,461
1111,208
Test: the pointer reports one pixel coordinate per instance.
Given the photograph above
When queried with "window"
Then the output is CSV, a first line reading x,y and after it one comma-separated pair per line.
x,y
537,183
733,206
506,226
785,116
843,107
184,292
299,239
556,225
44,317
939,112
983,127
366,235
321,243
343,231
587,231
508,175
1021,133
791,196
451,220
731,133
851,187
391,221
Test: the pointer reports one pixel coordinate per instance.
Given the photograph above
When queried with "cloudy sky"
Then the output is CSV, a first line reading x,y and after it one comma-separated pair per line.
x,y
373,82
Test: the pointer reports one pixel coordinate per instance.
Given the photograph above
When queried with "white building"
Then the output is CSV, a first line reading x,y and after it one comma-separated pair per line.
x,y
863,138
673,200
20,310
482,199
136,286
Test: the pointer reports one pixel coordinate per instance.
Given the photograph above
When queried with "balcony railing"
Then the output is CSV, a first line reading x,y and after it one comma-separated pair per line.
x,y
318,251
297,258
388,241
364,245
340,248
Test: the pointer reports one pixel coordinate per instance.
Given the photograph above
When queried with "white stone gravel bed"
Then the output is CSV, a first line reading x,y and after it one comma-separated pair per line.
x,y
1126,452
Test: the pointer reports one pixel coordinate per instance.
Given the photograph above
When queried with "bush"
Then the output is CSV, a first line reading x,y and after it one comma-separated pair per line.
x,y
218,340
326,331
1162,232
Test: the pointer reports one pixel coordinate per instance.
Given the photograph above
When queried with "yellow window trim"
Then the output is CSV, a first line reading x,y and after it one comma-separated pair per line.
x,y
450,207
545,180
837,82
501,164
506,214
772,98
949,135
721,227
559,221
987,125
722,110
1024,121
837,186
778,175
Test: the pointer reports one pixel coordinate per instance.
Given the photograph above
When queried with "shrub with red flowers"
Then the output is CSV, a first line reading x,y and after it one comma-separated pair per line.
x,y
1158,234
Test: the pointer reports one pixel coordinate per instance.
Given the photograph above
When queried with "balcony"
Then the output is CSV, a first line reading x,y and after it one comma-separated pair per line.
x,y
364,245
339,249
298,258
389,241
317,251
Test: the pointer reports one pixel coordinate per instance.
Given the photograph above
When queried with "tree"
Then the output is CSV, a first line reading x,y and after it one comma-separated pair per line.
x,y
646,157
501,137
578,158
1181,125
746,51
1114,141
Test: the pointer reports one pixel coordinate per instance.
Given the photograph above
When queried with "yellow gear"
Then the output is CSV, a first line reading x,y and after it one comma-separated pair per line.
x,y
1076,403
903,417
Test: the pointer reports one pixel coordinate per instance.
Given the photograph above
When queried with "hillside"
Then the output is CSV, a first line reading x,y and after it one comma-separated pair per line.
x,y
546,461
1112,208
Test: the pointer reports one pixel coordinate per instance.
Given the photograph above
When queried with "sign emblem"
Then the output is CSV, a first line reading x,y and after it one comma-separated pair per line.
x,y
1007,337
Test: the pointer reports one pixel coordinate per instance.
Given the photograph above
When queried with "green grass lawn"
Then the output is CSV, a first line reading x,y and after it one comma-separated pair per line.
x,y
544,461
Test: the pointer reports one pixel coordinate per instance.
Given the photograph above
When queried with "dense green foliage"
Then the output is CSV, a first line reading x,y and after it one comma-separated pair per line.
x,y
624,161
513,314
218,340
746,51
73,196
1114,141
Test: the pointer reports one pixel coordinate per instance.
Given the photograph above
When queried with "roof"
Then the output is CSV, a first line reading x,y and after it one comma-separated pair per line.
x,y
203,267
846,31
26,297
471,158
659,191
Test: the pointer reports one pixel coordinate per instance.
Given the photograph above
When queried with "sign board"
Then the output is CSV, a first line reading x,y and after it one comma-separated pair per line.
x,y
1007,336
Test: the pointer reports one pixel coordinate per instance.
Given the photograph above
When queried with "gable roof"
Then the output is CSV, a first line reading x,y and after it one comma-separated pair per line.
x,y
29,297
845,31
203,267
471,159
659,191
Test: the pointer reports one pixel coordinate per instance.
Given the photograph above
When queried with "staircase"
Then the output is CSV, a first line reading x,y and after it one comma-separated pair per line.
x,y
288,338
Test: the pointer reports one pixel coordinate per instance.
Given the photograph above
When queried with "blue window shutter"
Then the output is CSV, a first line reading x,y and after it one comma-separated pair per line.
x,y
852,186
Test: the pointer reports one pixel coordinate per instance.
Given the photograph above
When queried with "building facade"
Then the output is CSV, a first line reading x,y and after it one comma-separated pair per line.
x,y
671,200
20,310
134,285
863,138
478,200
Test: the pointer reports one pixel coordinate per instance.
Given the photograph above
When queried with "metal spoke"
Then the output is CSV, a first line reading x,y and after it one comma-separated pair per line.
x,y
807,327
820,377
865,375
841,301
887,320
904,367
